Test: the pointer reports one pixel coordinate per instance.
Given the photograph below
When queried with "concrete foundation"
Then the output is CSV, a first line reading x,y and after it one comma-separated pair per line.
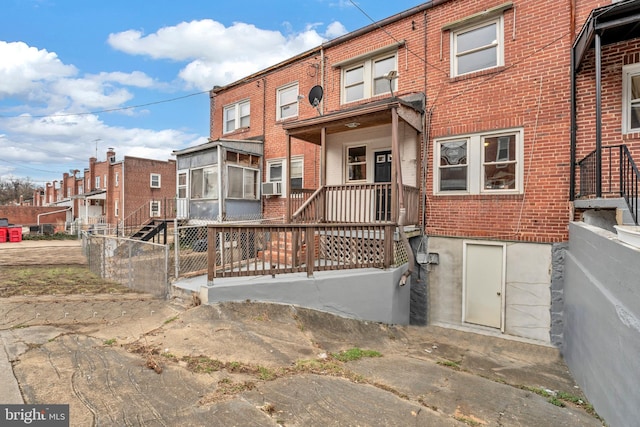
x,y
602,321
527,300
364,294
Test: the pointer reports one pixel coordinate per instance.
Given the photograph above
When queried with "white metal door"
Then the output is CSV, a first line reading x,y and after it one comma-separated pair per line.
x,y
483,284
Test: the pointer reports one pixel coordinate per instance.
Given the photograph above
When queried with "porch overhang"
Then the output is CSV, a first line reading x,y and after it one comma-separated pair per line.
x,y
613,23
365,116
92,195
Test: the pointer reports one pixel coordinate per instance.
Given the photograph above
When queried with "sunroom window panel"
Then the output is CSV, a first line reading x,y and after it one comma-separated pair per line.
x,y
250,187
210,184
235,182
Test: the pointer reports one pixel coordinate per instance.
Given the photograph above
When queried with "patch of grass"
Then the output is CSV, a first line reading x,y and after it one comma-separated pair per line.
x,y
35,280
266,374
55,236
171,319
355,354
450,364
109,342
468,421
202,364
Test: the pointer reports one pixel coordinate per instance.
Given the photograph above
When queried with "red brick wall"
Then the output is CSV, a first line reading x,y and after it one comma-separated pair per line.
x,y
137,185
531,91
28,215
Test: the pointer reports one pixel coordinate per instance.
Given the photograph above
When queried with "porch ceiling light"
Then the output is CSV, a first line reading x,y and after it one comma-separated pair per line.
x,y
352,125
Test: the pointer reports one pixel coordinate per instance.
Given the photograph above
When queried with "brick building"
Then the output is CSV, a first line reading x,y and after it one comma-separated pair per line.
x,y
112,190
474,97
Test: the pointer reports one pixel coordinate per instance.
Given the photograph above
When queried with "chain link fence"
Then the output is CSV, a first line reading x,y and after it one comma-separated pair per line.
x,y
138,265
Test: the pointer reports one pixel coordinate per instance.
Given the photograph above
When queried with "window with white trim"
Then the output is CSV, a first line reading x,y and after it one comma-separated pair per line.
x,y
287,100
155,180
477,48
117,179
204,183
236,116
97,182
116,209
368,78
154,208
275,172
480,163
631,98
356,163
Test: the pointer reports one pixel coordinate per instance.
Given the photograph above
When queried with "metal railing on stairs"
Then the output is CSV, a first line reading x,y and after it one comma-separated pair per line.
x,y
619,176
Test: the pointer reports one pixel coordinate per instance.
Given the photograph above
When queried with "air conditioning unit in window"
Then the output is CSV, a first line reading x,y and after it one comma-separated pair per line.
x,y
271,188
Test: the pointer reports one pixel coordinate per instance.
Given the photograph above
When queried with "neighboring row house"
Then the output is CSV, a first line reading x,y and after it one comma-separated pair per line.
x,y
452,121
111,191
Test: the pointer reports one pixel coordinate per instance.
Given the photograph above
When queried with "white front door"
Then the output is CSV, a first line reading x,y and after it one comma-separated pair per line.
x,y
483,283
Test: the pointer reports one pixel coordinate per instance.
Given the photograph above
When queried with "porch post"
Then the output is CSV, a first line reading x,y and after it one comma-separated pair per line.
x,y
598,116
323,156
395,170
287,180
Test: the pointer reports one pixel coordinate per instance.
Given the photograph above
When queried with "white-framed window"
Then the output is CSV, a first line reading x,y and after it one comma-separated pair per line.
x,y
154,208
154,179
80,189
287,100
97,182
182,185
204,183
242,182
478,47
480,163
356,163
631,98
117,178
105,180
236,116
116,209
68,192
276,172
368,78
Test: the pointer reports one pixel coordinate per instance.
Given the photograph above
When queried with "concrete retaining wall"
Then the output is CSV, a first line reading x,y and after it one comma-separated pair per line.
x,y
365,294
602,321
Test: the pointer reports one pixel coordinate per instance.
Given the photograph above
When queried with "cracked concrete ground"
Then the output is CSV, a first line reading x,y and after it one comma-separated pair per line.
x,y
131,359
273,366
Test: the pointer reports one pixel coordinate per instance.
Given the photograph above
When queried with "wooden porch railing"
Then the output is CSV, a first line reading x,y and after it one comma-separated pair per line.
x,y
355,203
298,196
255,250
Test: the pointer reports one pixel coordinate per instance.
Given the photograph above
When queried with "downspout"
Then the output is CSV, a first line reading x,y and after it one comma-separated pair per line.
x,y
402,210
49,213
572,161
598,116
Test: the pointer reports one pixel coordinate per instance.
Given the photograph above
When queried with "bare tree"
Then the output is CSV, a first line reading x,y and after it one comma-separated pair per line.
x,y
12,188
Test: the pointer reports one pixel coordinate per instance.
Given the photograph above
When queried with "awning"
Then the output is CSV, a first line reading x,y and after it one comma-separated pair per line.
x,y
92,195
368,115
615,23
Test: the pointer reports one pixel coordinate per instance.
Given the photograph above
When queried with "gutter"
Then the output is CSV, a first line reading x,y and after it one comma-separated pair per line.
x,y
49,213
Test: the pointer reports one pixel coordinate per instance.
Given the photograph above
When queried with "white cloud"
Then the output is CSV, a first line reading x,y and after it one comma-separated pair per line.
x,y
218,55
23,69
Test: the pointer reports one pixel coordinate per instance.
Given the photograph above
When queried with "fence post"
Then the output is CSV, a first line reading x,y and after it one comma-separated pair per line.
x,y
176,249
211,255
310,237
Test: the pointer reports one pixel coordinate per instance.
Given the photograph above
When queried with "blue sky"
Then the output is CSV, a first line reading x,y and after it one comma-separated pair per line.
x,y
76,75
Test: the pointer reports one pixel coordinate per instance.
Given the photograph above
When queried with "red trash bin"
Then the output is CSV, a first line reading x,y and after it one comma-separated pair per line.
x,y
3,234
15,234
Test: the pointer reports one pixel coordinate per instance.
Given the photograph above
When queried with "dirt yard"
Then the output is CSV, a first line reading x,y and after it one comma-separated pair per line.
x,y
131,359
